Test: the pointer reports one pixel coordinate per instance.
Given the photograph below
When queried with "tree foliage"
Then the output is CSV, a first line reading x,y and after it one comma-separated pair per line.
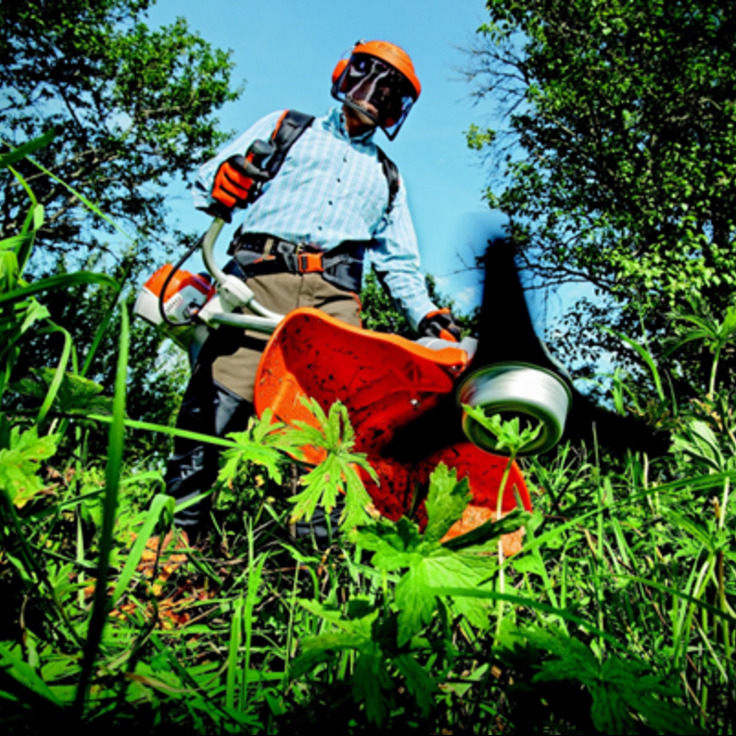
x,y
128,110
132,109
382,315
620,153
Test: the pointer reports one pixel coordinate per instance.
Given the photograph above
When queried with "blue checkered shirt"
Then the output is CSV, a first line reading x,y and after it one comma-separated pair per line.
x,y
332,188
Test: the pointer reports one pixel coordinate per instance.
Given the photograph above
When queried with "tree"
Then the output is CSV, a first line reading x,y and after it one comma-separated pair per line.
x,y
382,315
132,109
621,150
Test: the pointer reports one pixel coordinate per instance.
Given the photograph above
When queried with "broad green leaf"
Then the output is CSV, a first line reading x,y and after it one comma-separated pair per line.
x,y
394,543
446,501
415,601
369,682
336,475
247,451
74,395
510,438
418,681
20,463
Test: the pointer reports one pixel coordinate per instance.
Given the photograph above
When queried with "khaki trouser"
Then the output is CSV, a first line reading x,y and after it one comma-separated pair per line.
x,y
235,353
219,397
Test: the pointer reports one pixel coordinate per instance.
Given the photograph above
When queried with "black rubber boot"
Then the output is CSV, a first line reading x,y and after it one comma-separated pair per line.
x,y
207,408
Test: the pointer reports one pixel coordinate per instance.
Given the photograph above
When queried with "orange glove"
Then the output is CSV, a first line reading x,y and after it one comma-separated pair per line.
x,y
232,187
440,323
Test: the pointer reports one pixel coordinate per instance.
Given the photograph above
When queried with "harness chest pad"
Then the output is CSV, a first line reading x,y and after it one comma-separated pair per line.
x,y
288,130
290,127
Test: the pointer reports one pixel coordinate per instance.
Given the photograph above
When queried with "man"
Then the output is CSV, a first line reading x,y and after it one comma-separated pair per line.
x,y
334,201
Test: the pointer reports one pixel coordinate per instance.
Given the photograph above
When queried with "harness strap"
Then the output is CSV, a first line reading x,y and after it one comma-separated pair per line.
x,y
392,177
290,126
260,254
287,131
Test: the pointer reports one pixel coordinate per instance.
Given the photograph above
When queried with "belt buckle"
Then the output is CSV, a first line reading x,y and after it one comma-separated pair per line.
x,y
308,262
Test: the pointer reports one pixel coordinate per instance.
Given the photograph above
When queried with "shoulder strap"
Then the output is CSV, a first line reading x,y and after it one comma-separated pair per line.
x,y
392,177
286,133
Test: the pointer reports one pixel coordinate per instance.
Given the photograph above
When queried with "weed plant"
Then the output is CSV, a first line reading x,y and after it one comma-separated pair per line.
x,y
615,617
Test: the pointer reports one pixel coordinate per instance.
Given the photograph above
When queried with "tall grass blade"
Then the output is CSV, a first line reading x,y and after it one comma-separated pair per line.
x,y
645,355
61,281
26,675
161,504
233,663
33,222
112,483
8,159
53,390
86,202
255,575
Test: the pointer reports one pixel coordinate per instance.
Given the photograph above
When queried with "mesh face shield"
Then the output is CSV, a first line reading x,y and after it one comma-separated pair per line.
x,y
377,90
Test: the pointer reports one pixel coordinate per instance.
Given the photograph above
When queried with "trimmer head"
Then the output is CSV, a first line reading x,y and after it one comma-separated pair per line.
x,y
533,394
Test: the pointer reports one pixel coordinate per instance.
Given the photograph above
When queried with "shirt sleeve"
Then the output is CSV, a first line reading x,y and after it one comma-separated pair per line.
x,y
395,258
262,129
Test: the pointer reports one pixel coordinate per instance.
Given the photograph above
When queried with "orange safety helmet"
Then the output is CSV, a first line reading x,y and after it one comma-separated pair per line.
x,y
381,76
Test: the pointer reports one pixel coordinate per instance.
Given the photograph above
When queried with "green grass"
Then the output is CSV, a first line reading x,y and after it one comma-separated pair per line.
x,y
617,616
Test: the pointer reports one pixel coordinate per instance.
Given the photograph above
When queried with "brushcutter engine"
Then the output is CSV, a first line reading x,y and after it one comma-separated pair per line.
x,y
170,300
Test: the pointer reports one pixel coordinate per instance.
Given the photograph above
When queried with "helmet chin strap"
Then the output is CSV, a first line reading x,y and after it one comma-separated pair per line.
x,y
362,115
362,111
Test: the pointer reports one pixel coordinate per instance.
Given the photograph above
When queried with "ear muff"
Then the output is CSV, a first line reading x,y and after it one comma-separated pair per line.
x,y
338,71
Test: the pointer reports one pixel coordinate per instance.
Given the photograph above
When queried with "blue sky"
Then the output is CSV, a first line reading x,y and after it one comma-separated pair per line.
x,y
285,50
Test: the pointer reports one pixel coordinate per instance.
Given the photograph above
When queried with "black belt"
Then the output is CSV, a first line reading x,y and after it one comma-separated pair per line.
x,y
283,254
261,253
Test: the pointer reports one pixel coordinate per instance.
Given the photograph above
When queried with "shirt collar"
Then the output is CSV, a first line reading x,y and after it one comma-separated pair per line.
x,y
336,121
